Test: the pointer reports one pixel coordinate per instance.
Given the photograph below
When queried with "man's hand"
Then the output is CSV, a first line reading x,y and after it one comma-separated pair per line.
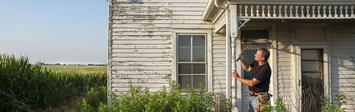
x,y
235,74
241,56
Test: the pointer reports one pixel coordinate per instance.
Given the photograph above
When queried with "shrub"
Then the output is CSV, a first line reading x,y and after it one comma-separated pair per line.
x,y
172,100
280,107
95,98
335,106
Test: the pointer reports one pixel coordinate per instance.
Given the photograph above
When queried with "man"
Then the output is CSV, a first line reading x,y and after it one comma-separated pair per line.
x,y
260,77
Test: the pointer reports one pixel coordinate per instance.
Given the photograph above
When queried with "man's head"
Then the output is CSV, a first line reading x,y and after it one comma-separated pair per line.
x,y
262,54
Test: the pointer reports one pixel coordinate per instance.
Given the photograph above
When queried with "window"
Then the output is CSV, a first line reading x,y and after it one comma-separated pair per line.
x,y
191,61
249,57
255,34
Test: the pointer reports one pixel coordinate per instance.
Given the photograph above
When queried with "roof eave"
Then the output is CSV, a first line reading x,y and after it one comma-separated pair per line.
x,y
208,10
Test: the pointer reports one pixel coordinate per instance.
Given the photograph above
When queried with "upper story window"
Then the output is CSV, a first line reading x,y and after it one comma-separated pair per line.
x,y
191,61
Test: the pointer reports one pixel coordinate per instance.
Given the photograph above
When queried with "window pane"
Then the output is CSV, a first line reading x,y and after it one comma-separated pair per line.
x,y
310,66
197,79
199,54
184,81
249,57
199,40
199,69
184,54
311,54
185,69
184,40
311,76
255,34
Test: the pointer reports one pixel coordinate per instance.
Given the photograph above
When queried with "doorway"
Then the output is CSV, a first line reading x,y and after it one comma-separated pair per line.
x,y
312,79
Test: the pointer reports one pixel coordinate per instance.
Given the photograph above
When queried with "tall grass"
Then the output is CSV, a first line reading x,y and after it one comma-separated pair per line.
x,y
26,87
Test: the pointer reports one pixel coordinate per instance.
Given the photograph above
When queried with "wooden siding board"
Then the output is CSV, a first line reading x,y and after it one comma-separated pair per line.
x,y
142,34
342,59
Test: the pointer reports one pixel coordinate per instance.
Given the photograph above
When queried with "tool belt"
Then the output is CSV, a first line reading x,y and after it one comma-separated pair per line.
x,y
263,99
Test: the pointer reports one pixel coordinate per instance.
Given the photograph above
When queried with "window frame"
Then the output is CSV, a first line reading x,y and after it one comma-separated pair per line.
x,y
191,62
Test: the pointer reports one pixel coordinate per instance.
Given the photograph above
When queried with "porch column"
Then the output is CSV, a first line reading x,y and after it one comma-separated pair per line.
x,y
236,98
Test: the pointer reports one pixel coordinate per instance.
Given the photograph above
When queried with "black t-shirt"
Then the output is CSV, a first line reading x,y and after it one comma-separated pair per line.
x,y
262,73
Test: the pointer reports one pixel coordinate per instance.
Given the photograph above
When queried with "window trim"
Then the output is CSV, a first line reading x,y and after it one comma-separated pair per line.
x,y
191,62
208,45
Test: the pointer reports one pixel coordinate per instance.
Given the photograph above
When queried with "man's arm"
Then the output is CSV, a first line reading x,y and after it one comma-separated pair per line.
x,y
248,82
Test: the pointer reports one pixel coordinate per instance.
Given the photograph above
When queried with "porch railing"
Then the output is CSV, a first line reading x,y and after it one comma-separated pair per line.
x,y
273,11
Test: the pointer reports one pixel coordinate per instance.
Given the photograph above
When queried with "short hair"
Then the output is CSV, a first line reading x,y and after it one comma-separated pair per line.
x,y
265,53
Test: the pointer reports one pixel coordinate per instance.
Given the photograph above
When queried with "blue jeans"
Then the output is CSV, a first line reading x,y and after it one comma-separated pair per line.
x,y
253,100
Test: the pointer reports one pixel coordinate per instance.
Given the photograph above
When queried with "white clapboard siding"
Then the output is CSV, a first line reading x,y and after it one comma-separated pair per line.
x,y
219,63
342,59
141,36
285,76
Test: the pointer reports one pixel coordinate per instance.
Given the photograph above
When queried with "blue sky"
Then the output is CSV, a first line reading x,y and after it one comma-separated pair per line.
x,y
55,31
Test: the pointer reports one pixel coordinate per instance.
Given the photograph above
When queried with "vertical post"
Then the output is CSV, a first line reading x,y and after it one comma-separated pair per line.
x,y
330,11
234,34
302,14
268,11
263,11
318,12
291,15
296,13
341,11
274,15
324,15
346,11
228,55
335,11
285,11
257,10
251,11
308,15
280,7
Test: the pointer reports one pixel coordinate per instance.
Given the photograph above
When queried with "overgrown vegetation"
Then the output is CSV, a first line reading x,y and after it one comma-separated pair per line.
x,y
26,87
328,105
95,97
279,106
335,106
165,100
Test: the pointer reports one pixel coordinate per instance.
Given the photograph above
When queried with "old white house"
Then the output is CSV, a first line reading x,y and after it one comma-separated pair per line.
x,y
312,44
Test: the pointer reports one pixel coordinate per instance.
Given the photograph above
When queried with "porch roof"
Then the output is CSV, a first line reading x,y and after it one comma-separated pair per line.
x,y
284,9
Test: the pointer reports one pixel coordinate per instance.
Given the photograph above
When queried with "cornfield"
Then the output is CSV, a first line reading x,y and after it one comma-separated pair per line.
x,y
26,87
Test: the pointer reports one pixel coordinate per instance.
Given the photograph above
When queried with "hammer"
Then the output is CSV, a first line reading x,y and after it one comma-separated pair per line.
x,y
246,48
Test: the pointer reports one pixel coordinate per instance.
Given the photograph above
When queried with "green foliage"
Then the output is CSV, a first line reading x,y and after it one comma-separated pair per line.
x,y
95,98
165,100
280,107
335,106
63,108
267,108
226,105
86,107
26,87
